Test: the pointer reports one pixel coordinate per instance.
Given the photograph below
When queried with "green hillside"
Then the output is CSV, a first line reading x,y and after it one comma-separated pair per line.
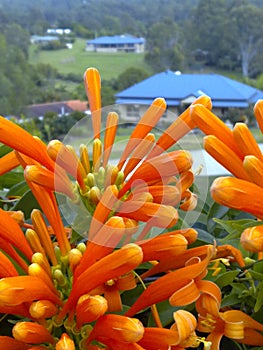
x,y
76,60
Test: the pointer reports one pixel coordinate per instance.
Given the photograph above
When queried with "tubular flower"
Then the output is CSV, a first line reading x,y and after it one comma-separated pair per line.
x,y
233,324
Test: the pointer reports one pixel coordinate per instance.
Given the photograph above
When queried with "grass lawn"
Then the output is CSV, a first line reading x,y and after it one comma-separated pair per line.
x,y
77,60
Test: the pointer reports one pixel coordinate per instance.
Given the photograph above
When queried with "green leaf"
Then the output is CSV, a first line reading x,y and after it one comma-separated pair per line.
x,y
259,300
18,189
226,278
10,179
236,227
26,204
216,211
4,150
205,236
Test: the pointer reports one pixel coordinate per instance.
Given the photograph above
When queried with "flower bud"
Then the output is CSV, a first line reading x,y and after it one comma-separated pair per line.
x,y
74,258
252,239
32,333
65,343
42,309
90,308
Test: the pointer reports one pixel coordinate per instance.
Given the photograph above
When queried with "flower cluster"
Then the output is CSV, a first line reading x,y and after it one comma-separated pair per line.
x,y
67,291
238,151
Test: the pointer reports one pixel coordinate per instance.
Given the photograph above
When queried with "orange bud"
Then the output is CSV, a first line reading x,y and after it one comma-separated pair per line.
x,y
65,343
18,216
42,309
33,333
121,328
90,308
74,257
252,239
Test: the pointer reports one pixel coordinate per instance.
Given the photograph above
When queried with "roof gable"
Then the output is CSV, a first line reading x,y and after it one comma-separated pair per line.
x,y
176,87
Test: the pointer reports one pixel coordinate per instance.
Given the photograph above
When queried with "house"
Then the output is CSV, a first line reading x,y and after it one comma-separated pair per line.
x,y
179,90
60,108
43,39
116,43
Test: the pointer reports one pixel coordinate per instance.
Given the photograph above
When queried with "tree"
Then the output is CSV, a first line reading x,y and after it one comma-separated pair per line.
x,y
209,32
248,22
164,48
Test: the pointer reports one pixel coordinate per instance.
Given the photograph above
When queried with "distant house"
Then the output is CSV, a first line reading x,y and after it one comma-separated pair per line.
x,y
61,108
43,39
116,43
180,90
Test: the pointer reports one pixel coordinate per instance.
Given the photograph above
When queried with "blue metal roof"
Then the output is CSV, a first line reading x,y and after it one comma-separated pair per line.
x,y
175,88
116,40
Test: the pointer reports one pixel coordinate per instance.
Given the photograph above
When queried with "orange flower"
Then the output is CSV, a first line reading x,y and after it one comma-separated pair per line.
x,y
233,324
178,281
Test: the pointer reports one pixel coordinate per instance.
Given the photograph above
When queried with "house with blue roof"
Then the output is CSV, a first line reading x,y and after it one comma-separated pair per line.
x,y
180,90
116,43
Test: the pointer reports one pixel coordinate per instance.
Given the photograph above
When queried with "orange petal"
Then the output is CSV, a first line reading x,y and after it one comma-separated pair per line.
x,y
143,127
10,250
189,201
158,338
121,328
186,295
41,229
102,243
12,233
7,269
93,88
33,333
246,141
169,195
140,151
258,111
210,124
252,337
110,133
225,156
237,315
8,162
47,201
180,127
19,289
8,343
65,343
254,169
20,140
238,194
185,324
103,209
111,266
